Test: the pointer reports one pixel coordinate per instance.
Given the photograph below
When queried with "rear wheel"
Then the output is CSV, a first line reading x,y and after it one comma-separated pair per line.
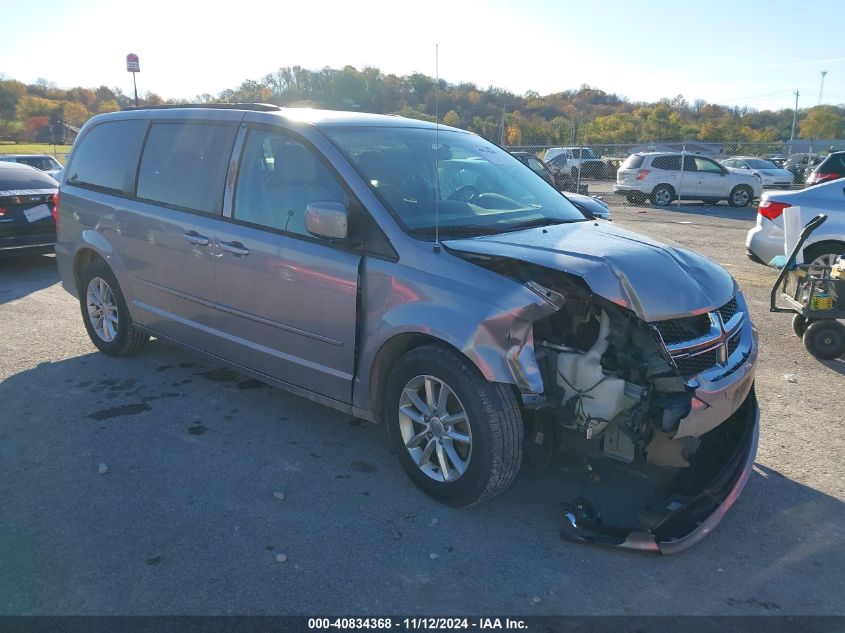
x,y
799,324
740,196
662,195
105,314
825,339
457,436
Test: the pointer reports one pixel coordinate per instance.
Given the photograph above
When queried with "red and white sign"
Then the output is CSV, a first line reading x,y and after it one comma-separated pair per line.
x,y
132,63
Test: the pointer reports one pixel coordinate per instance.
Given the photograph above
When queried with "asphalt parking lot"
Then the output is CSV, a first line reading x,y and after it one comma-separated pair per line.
x,y
146,486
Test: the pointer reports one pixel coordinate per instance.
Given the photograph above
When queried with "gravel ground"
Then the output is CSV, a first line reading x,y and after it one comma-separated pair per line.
x,y
148,485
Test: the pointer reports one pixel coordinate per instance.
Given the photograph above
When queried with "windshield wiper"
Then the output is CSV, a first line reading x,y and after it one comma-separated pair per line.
x,y
459,230
529,224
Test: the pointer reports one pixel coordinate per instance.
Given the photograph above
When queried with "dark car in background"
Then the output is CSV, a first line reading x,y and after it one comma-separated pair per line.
x,y
28,198
831,168
595,207
43,162
536,165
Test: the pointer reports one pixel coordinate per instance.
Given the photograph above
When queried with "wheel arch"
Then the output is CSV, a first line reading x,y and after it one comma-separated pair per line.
x,y
668,186
835,245
393,349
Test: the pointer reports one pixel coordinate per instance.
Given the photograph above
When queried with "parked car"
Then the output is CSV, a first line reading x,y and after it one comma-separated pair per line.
x,y
451,294
766,240
43,162
27,201
536,165
581,159
593,205
831,168
658,176
769,174
801,164
562,182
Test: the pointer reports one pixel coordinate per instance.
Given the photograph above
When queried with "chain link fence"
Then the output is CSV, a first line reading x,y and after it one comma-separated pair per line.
x,y
592,168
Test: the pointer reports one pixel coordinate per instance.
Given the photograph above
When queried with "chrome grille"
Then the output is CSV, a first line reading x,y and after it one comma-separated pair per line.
x,y
704,341
676,330
728,310
694,365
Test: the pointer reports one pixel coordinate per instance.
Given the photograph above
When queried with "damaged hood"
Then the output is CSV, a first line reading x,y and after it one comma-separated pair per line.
x,y
654,280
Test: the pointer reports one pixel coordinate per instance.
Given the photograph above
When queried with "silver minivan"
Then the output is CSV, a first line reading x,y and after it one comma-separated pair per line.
x,y
420,276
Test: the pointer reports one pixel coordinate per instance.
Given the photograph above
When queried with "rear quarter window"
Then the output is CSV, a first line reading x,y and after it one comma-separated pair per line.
x,y
670,163
107,156
632,162
184,165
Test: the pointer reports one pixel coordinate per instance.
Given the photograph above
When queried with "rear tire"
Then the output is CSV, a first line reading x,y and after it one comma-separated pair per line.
x,y
825,339
799,325
662,196
105,314
478,428
741,196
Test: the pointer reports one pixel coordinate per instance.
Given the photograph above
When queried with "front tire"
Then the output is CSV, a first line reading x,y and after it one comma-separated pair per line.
x,y
105,314
457,436
741,196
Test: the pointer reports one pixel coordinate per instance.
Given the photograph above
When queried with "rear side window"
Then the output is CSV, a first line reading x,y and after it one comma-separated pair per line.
x,y
108,156
184,165
670,163
633,162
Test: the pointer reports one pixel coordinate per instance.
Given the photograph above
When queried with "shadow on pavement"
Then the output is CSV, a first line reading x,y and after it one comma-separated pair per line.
x,y
20,276
184,520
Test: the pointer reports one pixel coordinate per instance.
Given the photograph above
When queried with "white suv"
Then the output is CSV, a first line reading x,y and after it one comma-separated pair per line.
x,y
658,176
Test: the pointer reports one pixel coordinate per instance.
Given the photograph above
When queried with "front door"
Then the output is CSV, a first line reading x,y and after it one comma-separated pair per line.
x,y
286,301
711,179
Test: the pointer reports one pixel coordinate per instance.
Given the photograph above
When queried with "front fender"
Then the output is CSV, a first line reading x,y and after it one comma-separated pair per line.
x,y
492,330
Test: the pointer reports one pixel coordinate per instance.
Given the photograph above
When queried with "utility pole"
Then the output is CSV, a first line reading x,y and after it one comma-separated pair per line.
x,y
821,89
502,132
794,116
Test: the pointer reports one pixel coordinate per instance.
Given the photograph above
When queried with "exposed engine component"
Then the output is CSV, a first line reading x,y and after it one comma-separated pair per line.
x,y
596,396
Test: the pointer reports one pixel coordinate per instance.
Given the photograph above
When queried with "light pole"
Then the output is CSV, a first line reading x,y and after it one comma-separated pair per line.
x,y
794,116
821,88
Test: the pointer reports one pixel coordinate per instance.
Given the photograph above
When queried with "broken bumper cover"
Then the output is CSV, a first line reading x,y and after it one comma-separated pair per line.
x,y
702,496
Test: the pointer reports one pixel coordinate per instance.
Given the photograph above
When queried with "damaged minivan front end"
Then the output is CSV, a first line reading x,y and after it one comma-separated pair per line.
x,y
646,361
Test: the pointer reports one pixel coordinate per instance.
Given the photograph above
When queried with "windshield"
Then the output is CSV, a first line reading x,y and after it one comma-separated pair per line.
x,y
482,188
759,163
583,152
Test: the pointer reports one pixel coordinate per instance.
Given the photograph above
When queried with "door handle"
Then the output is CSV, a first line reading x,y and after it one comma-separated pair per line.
x,y
235,248
196,239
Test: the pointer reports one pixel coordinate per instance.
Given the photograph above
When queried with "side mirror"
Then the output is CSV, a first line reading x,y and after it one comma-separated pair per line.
x,y
327,219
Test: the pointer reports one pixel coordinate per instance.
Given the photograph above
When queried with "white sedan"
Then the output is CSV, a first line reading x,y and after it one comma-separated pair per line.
x,y
766,239
770,175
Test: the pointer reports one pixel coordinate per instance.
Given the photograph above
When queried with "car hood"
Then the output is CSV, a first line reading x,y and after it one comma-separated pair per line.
x,y
654,280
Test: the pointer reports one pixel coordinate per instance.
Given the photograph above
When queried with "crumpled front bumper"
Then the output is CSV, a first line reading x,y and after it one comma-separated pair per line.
x,y
698,505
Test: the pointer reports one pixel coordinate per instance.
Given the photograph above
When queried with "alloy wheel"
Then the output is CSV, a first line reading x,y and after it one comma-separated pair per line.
x,y
435,428
102,309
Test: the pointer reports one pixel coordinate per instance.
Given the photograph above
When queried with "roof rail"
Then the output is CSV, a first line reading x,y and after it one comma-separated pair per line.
x,y
259,107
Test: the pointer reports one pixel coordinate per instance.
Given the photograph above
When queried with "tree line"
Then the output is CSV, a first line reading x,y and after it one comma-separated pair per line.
x,y
40,111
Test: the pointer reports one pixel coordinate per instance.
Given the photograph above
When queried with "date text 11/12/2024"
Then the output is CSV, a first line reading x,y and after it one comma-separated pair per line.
x,y
421,623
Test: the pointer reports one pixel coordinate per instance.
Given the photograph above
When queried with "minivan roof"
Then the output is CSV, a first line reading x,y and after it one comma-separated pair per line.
x,y
318,118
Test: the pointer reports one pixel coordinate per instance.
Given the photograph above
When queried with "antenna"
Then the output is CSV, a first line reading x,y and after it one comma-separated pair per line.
x,y
436,148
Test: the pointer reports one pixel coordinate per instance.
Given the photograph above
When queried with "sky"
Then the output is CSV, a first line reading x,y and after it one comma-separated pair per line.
x,y
754,53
